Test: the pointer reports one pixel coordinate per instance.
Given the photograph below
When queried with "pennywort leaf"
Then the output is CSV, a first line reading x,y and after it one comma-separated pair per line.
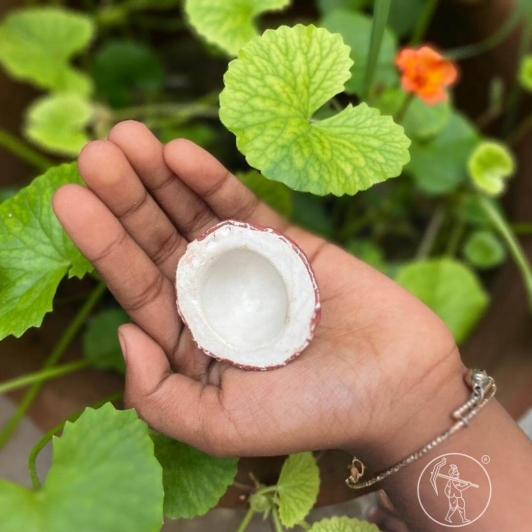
x,y
37,44
343,524
36,253
489,165
355,29
450,289
273,193
124,69
484,250
298,488
193,481
104,477
525,73
439,165
100,340
325,6
271,92
229,24
57,123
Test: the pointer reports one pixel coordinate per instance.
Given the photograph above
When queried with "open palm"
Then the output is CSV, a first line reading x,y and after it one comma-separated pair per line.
x,y
375,342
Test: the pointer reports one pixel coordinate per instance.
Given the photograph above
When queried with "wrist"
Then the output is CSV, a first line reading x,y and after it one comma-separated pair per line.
x,y
414,414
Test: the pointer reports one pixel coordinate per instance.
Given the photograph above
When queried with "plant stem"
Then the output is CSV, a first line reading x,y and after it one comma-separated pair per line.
x,y
380,19
424,22
472,50
267,489
433,228
455,238
43,375
513,244
41,444
23,151
400,114
243,487
520,131
304,525
247,519
54,357
276,521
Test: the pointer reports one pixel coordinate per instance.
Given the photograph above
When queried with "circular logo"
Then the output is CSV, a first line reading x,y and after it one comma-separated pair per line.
x,y
454,489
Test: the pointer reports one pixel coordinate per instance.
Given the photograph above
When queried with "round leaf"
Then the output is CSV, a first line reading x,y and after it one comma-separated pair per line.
x,y
343,524
193,481
484,250
298,488
229,24
271,92
124,69
450,289
355,28
104,477
100,341
525,73
273,193
439,165
36,253
57,123
489,165
36,45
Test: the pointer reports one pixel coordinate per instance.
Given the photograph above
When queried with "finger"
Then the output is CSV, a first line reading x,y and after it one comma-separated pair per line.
x,y
173,404
109,175
182,205
138,285
221,190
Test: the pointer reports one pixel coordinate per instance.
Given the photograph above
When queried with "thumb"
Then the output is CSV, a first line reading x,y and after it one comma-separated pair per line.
x,y
171,403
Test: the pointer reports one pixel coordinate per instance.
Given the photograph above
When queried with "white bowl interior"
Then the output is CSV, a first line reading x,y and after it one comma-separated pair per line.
x,y
244,299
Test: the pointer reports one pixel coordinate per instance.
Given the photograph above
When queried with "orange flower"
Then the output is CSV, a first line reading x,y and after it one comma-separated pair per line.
x,y
426,73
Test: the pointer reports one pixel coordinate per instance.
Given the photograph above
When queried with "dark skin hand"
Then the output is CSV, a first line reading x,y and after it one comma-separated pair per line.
x,y
381,375
143,204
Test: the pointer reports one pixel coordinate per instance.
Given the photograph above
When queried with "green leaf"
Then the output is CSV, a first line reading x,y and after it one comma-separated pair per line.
x,y
489,165
36,45
193,481
404,15
229,24
439,165
421,121
57,123
326,6
310,213
355,29
271,92
35,254
124,70
273,193
343,524
298,488
201,134
104,477
525,73
484,250
450,289
100,341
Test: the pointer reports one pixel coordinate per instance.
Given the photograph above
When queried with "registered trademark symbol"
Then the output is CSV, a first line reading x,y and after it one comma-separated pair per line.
x,y
485,459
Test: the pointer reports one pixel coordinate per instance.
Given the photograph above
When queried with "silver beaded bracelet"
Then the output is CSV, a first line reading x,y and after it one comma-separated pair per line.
x,y
482,391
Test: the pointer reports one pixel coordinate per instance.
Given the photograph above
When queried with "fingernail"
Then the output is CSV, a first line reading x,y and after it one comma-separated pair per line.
x,y
122,341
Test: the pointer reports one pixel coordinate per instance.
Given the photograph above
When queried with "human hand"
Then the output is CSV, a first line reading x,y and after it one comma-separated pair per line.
x,y
377,356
